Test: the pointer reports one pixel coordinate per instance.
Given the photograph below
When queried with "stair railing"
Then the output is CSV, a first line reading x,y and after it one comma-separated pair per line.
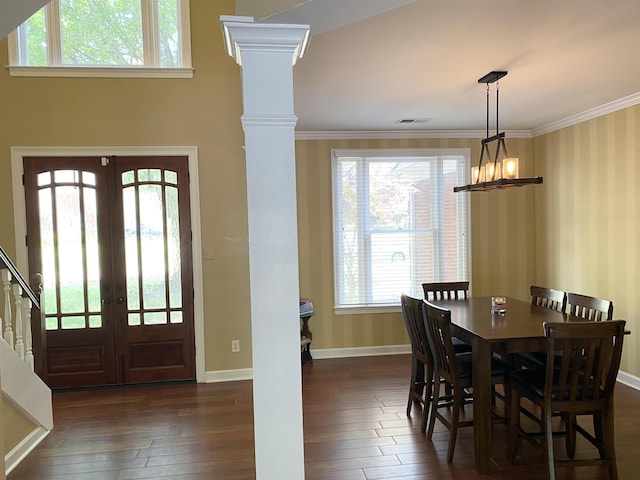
x,y
19,301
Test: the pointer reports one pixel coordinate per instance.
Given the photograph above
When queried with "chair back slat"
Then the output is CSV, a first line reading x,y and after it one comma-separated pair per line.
x,y
583,359
412,314
590,308
548,298
445,291
438,326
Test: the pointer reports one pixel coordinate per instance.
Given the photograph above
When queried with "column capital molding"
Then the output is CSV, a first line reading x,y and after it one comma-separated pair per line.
x,y
252,120
241,34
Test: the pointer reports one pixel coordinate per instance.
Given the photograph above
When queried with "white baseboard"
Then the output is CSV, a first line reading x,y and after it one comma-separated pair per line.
x,y
629,380
20,451
324,353
229,375
247,373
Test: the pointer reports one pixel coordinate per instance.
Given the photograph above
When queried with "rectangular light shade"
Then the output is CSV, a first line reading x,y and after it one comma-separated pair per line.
x,y
493,171
510,168
477,174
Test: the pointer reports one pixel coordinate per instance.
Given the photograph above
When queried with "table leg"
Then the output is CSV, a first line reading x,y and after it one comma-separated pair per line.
x,y
482,404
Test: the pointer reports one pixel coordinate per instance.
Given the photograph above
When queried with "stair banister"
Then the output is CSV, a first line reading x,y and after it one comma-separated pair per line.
x,y
17,323
16,277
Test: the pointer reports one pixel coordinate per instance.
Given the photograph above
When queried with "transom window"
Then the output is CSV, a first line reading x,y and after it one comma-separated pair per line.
x,y
397,223
104,38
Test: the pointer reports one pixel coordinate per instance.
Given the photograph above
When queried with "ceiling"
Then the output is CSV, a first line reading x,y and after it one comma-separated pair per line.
x,y
371,63
13,13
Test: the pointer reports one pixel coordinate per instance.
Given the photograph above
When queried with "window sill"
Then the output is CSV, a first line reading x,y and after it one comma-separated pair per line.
x,y
101,72
367,309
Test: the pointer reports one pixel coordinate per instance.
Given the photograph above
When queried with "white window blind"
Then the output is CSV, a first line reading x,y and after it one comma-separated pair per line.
x,y
397,223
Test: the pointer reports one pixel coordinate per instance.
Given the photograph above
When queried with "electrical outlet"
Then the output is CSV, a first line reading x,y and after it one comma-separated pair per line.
x,y
235,346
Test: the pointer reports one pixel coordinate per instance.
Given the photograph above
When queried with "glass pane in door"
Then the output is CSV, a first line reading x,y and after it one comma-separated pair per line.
x,y
152,246
70,259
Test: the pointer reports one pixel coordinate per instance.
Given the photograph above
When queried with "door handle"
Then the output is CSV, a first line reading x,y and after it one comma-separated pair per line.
x,y
106,301
119,300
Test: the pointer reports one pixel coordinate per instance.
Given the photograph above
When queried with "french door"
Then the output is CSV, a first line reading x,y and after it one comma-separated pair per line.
x,y
112,239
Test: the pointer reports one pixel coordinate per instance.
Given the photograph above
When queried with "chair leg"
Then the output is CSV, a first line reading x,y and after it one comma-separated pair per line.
x,y
599,434
514,442
416,382
455,419
434,407
427,396
570,439
548,441
608,440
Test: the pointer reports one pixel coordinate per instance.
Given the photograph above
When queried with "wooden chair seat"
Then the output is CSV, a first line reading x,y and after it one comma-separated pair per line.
x,y
499,368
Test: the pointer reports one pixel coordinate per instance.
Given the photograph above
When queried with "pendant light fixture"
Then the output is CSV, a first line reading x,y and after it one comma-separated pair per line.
x,y
501,170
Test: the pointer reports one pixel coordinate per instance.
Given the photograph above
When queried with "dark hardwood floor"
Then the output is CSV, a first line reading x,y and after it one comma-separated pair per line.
x,y
355,429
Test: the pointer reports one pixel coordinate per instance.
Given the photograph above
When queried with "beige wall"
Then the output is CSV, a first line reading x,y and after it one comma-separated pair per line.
x,y
204,111
502,229
587,216
15,426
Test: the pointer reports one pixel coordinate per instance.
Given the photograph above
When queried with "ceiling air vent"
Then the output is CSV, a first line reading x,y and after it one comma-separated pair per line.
x,y
406,121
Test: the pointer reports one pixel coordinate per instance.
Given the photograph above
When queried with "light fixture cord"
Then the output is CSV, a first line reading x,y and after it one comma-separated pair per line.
x,y
487,135
497,105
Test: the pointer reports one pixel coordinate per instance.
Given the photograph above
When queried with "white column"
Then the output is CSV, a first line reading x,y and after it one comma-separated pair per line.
x,y
266,53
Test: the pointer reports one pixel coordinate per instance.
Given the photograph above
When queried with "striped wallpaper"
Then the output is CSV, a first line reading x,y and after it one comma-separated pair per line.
x,y
502,226
586,217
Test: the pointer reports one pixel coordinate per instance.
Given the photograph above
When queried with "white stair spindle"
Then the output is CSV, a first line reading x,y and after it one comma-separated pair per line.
x,y
17,293
28,355
8,330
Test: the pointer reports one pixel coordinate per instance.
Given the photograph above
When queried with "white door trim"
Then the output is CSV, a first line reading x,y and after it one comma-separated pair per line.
x,y
20,227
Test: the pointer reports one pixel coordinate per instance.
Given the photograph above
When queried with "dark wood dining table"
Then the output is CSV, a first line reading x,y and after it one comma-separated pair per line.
x,y
519,329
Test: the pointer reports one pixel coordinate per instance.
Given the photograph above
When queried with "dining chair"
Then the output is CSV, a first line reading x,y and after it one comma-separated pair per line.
x,y
422,366
580,383
589,308
435,291
456,370
547,298
445,290
421,360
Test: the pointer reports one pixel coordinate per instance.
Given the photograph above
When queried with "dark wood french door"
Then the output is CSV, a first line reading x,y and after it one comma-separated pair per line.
x,y
112,238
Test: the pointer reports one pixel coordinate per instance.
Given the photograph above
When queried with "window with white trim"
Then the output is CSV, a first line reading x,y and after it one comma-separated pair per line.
x,y
397,223
104,38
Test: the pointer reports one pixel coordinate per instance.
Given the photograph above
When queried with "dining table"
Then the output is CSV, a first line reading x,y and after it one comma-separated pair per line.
x,y
518,329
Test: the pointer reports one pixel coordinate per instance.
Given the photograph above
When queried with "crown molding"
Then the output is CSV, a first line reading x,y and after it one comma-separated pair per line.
x,y
390,134
590,114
